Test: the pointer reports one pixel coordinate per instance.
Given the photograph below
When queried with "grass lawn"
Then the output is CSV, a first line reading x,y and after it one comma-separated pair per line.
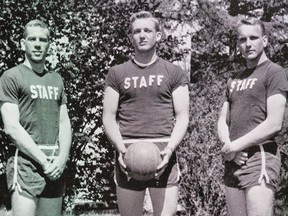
x,y
3,212
93,213
99,213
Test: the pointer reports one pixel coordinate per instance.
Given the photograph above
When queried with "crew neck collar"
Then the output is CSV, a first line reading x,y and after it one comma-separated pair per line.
x,y
144,65
260,65
34,71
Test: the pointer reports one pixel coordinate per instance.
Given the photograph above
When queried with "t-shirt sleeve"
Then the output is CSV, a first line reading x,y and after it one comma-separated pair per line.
x,y
277,82
9,91
111,80
63,99
227,90
180,78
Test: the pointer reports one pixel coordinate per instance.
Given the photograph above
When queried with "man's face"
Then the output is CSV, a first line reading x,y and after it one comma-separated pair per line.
x,y
251,41
36,44
144,35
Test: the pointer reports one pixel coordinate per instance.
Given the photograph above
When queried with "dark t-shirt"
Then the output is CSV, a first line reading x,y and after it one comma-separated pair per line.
x,y
145,97
247,94
39,98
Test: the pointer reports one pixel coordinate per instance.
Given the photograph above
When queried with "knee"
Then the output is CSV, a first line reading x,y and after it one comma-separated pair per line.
x,y
165,213
259,210
259,213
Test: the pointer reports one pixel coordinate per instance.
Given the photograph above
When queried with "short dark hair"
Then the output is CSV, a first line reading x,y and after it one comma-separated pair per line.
x,y
35,22
251,21
144,15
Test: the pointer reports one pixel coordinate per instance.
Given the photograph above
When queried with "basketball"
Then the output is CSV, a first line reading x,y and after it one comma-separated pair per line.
x,y
142,159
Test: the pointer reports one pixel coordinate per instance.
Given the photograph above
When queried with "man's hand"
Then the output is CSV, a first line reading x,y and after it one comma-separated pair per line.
x,y
230,156
228,148
122,164
230,153
55,168
165,155
227,151
241,158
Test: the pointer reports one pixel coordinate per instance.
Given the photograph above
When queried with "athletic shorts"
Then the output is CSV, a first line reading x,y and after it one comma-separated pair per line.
x,y
261,164
170,176
30,180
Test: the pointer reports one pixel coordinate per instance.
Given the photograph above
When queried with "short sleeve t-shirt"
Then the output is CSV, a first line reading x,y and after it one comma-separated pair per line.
x,y
39,98
145,97
247,94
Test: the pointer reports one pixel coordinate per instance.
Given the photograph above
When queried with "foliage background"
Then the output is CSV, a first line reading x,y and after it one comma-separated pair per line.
x,y
88,37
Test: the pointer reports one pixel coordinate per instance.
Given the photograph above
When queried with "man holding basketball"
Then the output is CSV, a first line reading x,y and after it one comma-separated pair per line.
x,y
146,99
35,117
250,118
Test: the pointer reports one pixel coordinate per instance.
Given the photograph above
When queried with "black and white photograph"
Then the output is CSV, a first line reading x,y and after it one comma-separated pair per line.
x,y
144,108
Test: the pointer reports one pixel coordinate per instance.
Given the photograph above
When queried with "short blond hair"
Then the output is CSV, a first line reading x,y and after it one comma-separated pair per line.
x,y
253,22
144,15
35,22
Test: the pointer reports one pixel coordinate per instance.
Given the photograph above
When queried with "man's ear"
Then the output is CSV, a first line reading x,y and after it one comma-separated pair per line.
x,y
265,40
131,39
22,44
158,36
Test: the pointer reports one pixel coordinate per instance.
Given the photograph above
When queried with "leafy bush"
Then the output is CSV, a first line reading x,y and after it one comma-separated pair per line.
x,y
88,37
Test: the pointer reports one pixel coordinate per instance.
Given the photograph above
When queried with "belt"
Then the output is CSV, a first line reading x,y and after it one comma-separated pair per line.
x,y
12,150
269,147
134,140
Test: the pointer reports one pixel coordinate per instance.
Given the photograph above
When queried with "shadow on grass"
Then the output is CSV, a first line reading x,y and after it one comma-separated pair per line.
x,y
109,212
